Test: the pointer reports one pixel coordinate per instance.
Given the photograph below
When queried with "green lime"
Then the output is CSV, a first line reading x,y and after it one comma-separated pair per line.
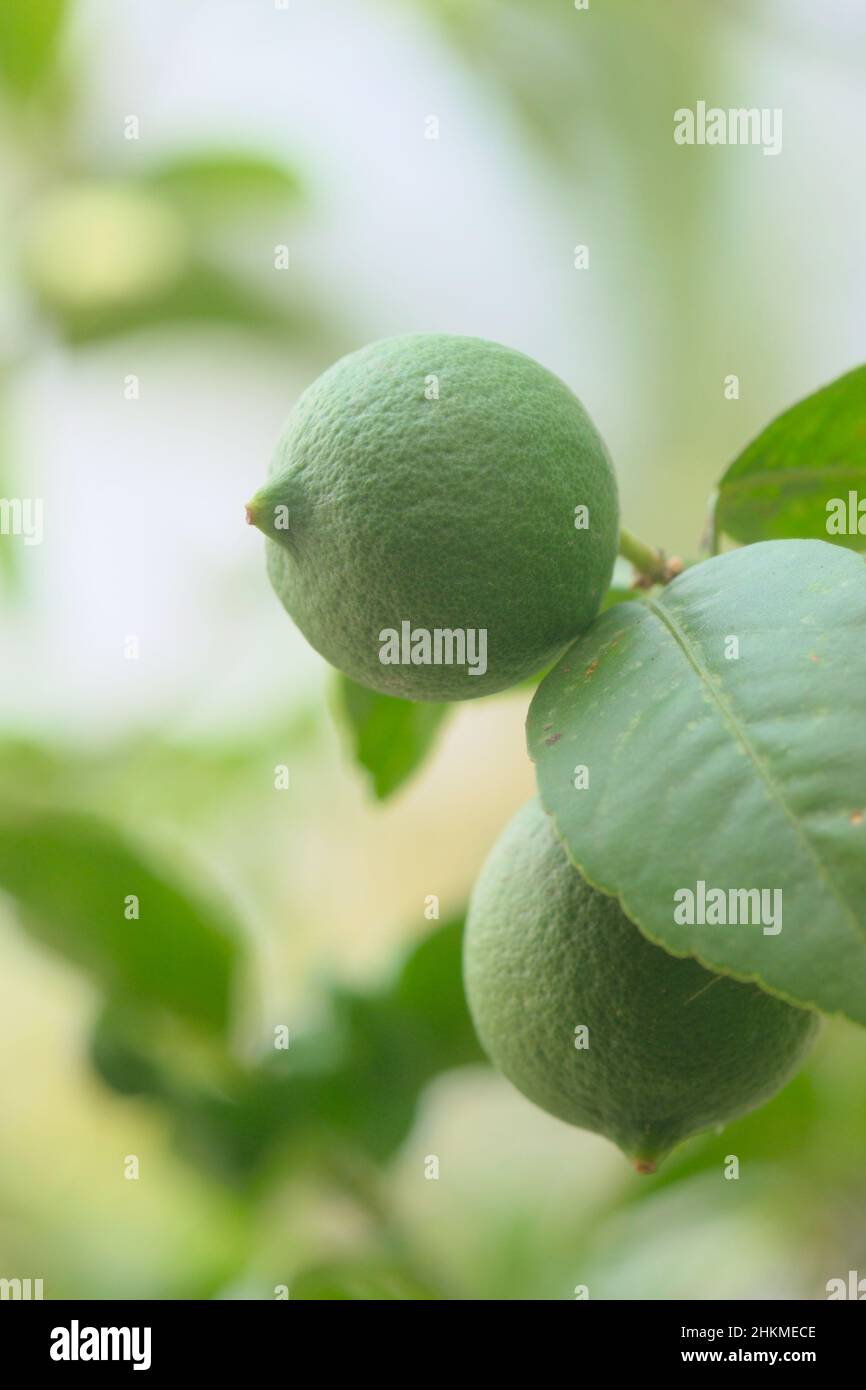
x,y
441,517
600,1027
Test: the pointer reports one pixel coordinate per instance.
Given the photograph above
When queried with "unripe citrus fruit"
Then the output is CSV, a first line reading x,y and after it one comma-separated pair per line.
x,y
441,516
672,1048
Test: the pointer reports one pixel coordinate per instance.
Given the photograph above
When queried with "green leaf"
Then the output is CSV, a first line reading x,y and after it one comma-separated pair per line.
x,y
29,36
367,1280
219,182
740,773
141,1051
429,989
355,1083
203,295
386,1046
72,876
359,1080
815,452
390,737
123,1054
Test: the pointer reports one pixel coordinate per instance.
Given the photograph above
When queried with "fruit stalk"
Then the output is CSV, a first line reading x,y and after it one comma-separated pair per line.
x,y
652,566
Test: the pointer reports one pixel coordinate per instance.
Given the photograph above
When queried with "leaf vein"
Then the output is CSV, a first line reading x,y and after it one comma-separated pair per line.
x,y
730,719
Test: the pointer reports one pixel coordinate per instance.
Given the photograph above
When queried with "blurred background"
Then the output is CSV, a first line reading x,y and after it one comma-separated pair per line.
x,y
204,204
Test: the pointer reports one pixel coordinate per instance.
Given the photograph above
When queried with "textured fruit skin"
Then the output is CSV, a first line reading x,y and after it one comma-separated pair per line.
x,y
673,1048
456,513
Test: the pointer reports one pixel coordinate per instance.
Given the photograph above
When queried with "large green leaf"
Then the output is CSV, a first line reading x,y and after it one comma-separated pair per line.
x,y
812,454
390,737
738,773
73,878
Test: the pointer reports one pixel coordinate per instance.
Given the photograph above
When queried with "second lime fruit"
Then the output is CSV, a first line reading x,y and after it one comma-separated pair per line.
x,y
597,1025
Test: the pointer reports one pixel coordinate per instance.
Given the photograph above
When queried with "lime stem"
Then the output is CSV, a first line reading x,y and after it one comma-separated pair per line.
x,y
710,541
644,1165
653,566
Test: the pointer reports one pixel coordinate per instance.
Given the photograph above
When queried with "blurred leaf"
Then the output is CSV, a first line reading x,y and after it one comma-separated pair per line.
x,y
781,484
29,39
370,1097
430,990
390,737
139,1051
137,777
369,1280
348,1084
814,1128
71,876
778,1130
778,733
120,1058
362,1080
204,294
216,182
356,1082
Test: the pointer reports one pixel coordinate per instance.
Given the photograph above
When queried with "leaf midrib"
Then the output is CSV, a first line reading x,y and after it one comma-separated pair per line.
x,y
681,638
